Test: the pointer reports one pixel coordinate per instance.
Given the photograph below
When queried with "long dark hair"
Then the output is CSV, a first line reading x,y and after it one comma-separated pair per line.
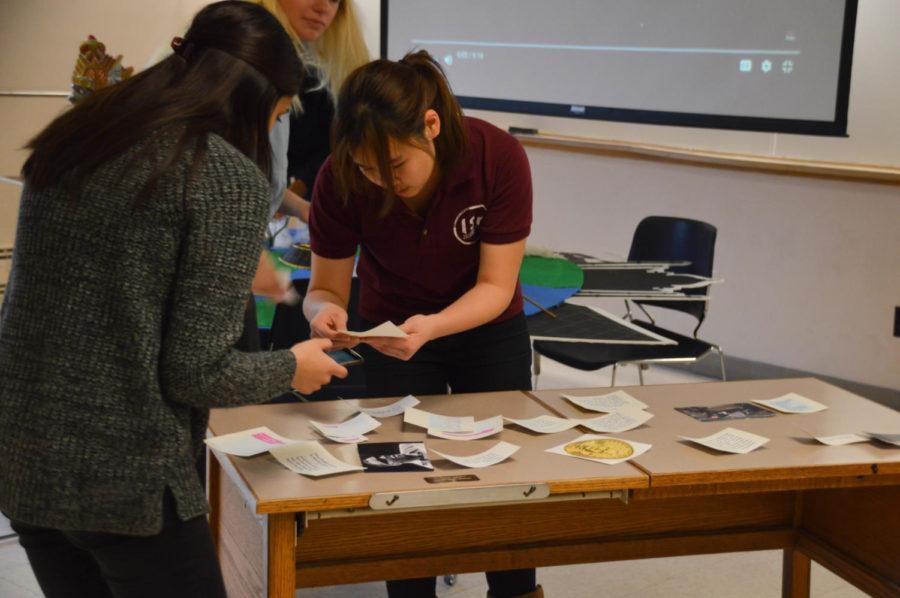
x,y
225,77
386,100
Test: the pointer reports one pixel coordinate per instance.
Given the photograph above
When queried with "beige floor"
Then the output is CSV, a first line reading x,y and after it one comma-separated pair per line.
x,y
750,575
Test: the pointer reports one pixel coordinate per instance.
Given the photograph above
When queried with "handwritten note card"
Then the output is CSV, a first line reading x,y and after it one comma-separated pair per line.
x,y
247,443
608,403
731,440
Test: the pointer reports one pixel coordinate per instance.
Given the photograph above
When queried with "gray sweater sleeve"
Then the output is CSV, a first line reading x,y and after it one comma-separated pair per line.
x,y
225,216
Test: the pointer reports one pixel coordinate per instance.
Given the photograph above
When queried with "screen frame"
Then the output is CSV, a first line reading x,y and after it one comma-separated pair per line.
x,y
833,128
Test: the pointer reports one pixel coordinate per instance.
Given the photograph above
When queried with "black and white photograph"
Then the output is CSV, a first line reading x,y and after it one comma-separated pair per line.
x,y
394,456
725,412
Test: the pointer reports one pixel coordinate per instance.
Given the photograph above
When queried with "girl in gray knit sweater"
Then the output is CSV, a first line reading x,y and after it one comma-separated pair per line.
x,y
138,234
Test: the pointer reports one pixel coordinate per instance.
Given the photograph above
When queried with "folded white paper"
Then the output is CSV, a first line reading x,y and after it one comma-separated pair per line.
x,y
433,421
247,443
619,421
483,429
841,439
602,449
608,403
888,438
384,330
349,431
311,459
731,440
546,424
497,453
792,403
348,439
395,408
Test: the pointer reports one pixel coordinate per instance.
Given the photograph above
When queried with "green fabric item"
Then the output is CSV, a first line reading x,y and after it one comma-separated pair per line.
x,y
552,272
265,312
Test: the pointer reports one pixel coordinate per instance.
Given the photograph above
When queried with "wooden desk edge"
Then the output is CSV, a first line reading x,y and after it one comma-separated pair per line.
x,y
234,474
361,501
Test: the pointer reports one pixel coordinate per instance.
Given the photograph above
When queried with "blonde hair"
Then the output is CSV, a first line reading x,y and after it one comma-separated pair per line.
x,y
338,51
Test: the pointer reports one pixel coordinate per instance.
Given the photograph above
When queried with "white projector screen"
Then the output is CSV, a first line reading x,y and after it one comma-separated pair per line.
x,y
766,65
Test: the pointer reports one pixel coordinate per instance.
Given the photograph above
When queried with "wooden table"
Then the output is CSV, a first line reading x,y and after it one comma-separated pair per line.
x,y
840,506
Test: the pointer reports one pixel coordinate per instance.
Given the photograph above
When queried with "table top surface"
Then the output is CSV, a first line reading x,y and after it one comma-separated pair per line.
x,y
275,487
791,453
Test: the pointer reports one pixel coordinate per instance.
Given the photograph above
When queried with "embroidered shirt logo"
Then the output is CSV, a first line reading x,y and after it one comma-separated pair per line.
x,y
467,223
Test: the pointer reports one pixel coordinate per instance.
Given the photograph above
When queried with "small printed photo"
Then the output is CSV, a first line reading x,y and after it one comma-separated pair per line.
x,y
725,412
394,456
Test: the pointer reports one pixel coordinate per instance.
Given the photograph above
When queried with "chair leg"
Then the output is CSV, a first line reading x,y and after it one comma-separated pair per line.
x,y
721,361
640,367
536,366
613,381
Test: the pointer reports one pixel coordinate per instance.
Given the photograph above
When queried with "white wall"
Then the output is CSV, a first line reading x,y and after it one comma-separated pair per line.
x,y
810,265
39,40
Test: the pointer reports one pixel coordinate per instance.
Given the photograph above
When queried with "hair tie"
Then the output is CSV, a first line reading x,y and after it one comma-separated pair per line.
x,y
182,47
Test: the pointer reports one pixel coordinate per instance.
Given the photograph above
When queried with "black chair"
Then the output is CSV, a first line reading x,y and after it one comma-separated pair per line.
x,y
657,238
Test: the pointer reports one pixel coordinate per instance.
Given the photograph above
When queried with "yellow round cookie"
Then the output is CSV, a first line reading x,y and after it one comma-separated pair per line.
x,y
607,448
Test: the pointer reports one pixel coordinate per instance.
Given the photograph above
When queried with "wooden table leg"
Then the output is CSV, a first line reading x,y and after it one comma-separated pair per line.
x,y
214,496
282,555
795,574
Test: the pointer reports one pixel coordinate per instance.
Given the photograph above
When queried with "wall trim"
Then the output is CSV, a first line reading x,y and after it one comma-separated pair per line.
x,y
875,173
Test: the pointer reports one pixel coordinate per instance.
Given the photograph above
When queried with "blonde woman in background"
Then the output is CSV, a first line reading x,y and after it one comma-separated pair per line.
x,y
327,37
329,40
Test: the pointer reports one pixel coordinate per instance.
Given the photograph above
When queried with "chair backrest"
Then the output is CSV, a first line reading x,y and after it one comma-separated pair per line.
x,y
673,239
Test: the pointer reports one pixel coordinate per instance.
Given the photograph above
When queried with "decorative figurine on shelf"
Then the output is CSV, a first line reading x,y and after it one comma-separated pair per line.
x,y
95,69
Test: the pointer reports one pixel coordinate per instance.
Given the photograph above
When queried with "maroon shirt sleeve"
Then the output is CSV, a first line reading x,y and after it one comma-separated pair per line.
x,y
333,226
508,217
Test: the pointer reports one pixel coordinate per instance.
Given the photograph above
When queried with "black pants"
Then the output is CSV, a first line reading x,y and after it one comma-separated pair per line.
x,y
178,562
489,358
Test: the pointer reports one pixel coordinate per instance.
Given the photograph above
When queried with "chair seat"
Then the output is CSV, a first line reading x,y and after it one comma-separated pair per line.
x,y
594,356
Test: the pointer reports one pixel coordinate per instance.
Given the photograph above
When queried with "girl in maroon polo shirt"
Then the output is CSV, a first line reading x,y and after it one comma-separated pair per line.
x,y
440,208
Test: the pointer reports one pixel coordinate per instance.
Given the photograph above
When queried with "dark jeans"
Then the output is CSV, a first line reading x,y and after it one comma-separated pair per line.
x,y
178,562
489,358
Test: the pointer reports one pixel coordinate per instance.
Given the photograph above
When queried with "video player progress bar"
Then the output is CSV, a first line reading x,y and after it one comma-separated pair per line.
x,y
741,52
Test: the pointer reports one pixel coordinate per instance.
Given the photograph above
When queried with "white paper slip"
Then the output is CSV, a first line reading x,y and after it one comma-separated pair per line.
x,y
352,428
888,438
384,330
497,453
393,409
483,429
841,439
792,403
731,440
608,403
619,421
602,449
347,439
310,458
546,424
433,421
248,442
